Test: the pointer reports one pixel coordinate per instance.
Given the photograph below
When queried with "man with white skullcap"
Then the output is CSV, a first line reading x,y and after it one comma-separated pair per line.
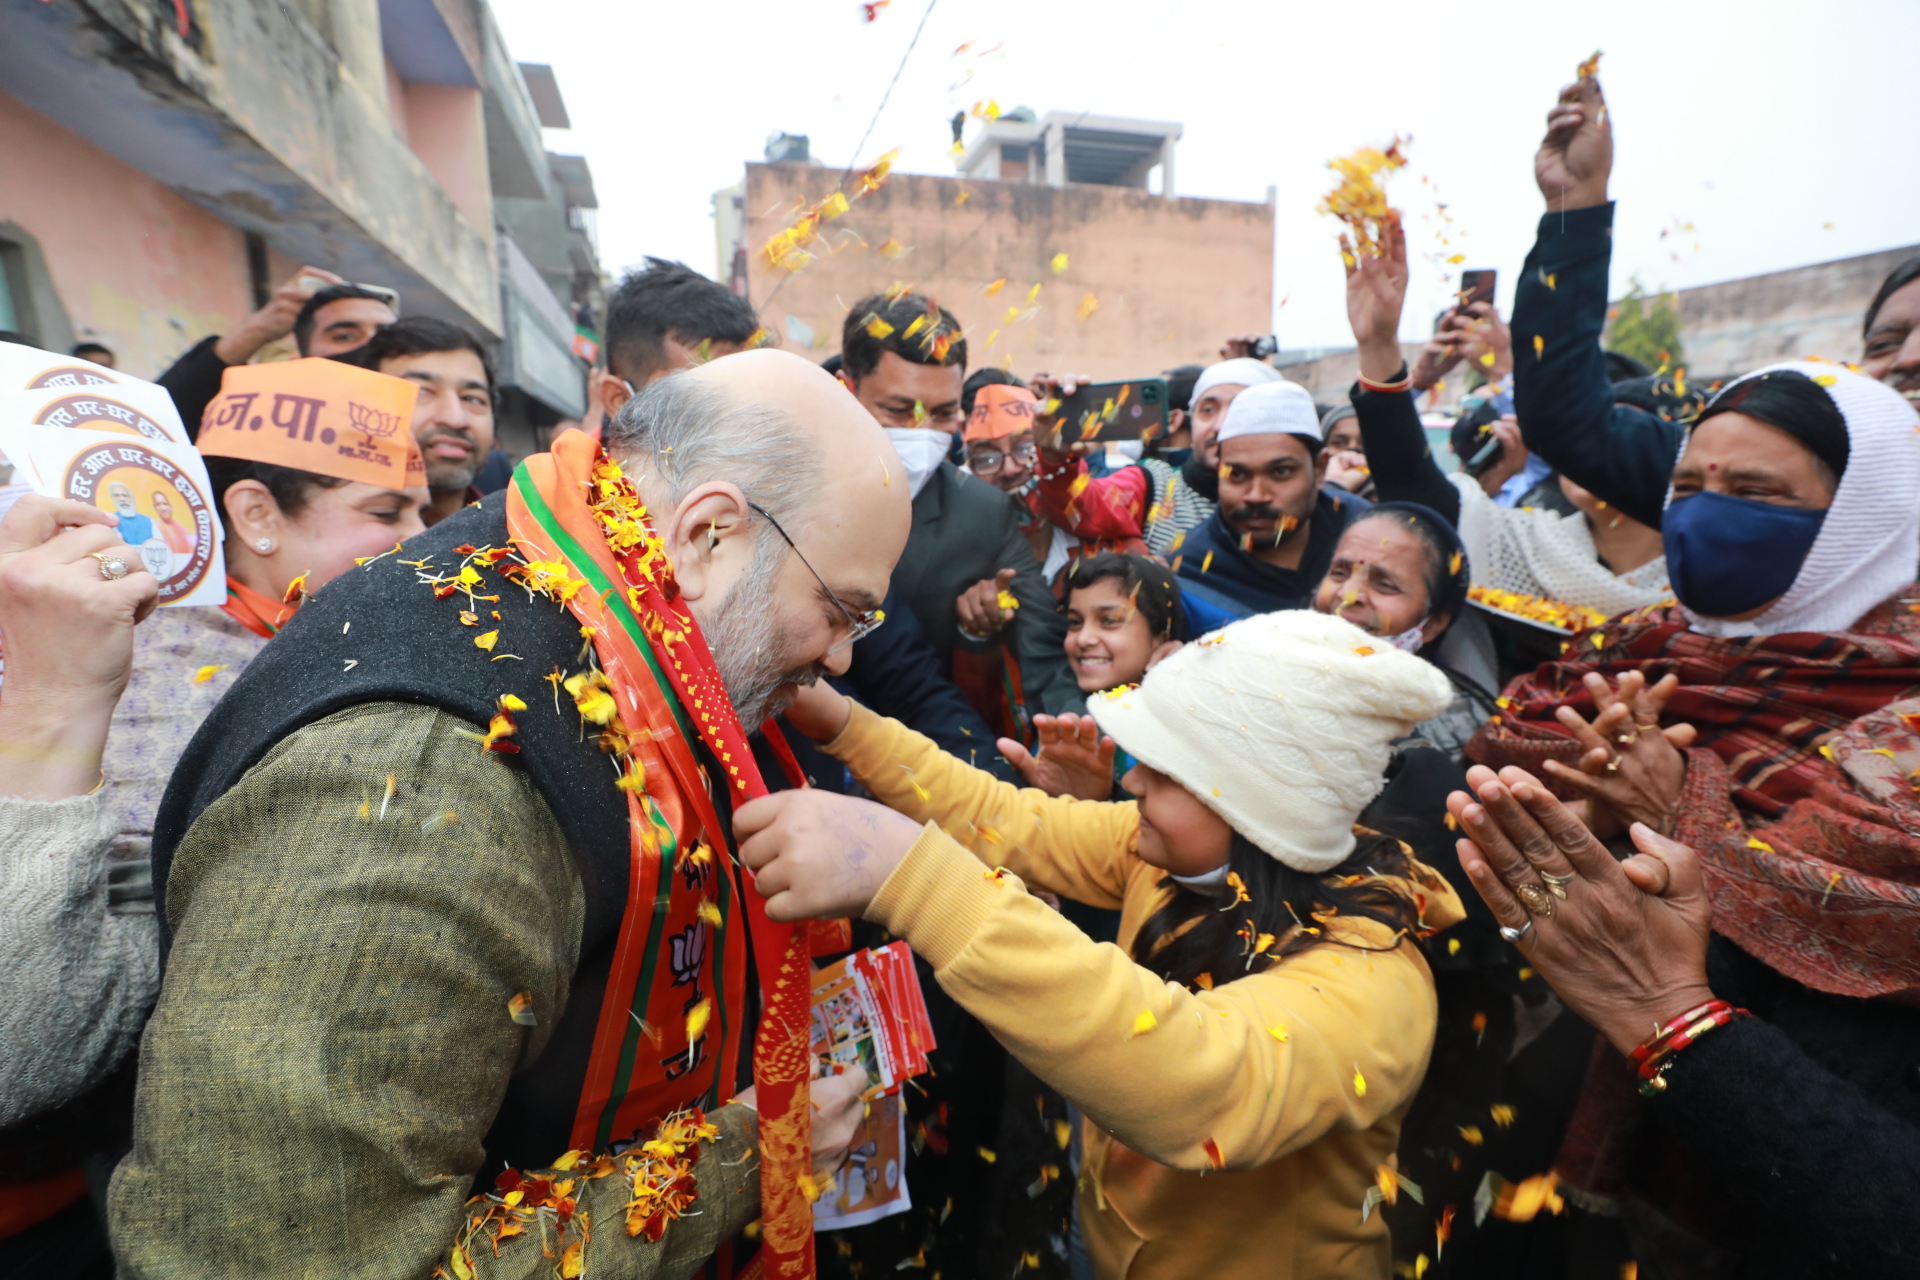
x,y
1275,529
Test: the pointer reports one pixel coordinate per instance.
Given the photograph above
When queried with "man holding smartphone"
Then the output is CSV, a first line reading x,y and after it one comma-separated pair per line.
x,y
324,313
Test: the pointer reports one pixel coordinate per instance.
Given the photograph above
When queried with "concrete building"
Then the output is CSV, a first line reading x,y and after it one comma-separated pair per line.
x,y
1816,310
1122,304
163,167
1063,147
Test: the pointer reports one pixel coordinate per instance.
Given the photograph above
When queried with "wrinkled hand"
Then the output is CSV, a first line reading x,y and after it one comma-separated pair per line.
x,y
838,1110
818,855
1626,946
979,605
1576,156
1376,294
1513,454
1632,770
273,321
1348,469
1074,760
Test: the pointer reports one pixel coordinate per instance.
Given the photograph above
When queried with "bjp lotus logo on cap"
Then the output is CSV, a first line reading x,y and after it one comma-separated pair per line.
x,y
371,422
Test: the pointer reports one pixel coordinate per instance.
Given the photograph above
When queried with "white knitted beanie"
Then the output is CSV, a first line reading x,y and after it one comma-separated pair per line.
x,y
1869,545
1281,724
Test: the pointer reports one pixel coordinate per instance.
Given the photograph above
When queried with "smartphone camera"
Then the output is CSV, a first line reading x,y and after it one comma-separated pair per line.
x,y
1264,348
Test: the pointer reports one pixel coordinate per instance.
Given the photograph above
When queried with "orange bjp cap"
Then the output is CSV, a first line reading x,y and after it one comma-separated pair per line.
x,y
317,415
1000,411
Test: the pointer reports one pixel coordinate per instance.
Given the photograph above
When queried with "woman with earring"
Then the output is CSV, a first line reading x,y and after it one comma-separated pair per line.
x,y
101,695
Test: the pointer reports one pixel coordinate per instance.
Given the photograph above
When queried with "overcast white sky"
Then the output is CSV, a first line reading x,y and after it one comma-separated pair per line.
x,y
1759,123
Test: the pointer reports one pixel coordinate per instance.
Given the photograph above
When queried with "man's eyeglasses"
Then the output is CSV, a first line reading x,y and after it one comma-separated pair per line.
x,y
990,462
862,624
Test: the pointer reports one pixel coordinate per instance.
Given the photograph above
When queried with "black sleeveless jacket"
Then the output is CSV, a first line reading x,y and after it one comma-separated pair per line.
x,y
402,645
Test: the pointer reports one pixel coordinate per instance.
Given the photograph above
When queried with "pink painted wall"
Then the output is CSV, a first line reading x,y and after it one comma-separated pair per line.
x,y
139,268
447,130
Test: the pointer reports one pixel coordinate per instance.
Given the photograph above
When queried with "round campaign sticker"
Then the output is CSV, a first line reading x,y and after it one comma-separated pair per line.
x,y
71,375
97,413
161,513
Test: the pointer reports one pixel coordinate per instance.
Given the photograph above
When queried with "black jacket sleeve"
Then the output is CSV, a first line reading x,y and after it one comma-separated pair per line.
x,y
1038,632
896,672
1561,392
1792,1141
194,382
1397,452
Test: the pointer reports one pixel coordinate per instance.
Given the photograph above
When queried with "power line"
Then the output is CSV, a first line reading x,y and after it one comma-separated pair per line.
x,y
861,145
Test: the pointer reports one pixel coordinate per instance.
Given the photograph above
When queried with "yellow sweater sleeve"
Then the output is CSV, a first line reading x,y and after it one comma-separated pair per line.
x,y
1081,849
1332,1038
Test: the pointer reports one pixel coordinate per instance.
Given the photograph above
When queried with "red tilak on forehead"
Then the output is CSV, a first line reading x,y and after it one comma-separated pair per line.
x,y
1713,466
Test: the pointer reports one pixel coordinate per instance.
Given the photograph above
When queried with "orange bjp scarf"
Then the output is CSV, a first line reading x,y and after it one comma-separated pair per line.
x,y
587,540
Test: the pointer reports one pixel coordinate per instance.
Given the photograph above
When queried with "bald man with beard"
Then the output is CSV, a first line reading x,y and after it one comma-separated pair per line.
x,y
407,899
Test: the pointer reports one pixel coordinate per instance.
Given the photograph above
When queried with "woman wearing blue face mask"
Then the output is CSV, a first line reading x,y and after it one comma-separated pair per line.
x,y
1753,967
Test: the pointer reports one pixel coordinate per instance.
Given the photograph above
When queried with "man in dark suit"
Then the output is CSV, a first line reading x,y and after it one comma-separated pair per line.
x,y
906,361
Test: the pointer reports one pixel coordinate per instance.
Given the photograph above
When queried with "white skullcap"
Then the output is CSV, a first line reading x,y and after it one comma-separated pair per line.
x,y
1280,723
1866,548
1274,408
1244,372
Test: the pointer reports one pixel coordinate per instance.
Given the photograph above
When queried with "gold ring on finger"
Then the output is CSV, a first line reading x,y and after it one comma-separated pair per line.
x,y
1627,739
113,566
1556,885
1535,899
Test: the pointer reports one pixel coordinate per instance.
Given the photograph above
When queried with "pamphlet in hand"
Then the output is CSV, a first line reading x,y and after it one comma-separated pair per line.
x,y
868,1012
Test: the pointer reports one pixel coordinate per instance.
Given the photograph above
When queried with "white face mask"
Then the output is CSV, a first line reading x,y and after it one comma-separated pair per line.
x,y
1409,641
1128,449
1206,880
921,450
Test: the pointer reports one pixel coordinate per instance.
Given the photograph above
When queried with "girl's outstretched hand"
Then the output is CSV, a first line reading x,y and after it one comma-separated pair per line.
x,y
1074,760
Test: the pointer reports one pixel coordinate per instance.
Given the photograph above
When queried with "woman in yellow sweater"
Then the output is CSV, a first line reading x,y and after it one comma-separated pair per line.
x,y
1244,1056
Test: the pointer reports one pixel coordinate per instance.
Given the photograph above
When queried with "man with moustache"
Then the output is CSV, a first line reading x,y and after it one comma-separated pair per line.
x,y
450,879
1276,528
453,420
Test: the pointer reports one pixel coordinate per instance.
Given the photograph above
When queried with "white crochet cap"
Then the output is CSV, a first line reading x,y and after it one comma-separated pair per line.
x,y
1272,408
1241,372
1281,724
1869,544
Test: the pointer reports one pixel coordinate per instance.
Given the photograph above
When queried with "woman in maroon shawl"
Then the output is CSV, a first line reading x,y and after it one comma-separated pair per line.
x,y
1770,723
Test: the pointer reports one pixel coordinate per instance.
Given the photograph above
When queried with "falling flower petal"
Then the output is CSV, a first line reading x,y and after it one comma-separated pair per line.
x,y
520,1009
1143,1022
207,673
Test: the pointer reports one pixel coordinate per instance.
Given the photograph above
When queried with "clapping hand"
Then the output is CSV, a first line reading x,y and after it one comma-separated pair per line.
x,y
1623,943
1632,769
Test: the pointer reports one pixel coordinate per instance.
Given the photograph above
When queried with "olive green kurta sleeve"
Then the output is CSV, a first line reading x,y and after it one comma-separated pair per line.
x,y
333,1037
